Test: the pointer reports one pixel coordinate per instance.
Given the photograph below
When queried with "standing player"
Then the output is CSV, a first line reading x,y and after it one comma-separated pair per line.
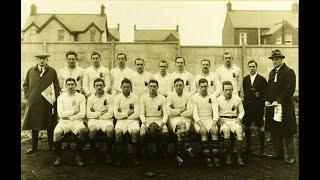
x,y
100,115
229,72
213,87
163,78
205,115
140,79
119,73
97,71
181,73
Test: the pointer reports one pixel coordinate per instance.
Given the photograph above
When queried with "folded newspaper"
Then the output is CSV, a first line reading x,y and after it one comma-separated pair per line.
x,y
278,113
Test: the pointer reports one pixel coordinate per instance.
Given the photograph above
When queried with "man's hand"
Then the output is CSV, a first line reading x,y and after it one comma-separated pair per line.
x,y
275,103
91,109
183,109
221,122
104,111
267,103
238,121
65,118
76,111
130,112
200,123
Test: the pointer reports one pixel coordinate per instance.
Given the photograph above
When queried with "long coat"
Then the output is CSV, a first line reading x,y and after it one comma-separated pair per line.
x,y
38,113
254,97
281,91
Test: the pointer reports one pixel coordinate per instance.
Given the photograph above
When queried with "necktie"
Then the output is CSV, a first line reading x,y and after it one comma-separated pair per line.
x,y
42,71
276,76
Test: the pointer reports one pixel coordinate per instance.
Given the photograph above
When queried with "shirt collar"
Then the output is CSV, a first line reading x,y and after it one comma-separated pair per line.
x,y
39,67
254,75
277,69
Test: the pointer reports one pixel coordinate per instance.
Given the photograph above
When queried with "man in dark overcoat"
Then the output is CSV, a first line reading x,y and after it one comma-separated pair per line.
x,y
280,90
40,114
254,88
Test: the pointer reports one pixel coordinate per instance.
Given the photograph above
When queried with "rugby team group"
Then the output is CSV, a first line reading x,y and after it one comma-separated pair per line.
x,y
220,107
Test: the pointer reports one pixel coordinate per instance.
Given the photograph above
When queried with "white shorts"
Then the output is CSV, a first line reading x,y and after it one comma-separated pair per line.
x,y
150,120
175,120
96,124
207,124
230,125
127,125
65,126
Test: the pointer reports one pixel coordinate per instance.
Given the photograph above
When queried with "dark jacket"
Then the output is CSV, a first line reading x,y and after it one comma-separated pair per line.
x,y
254,97
38,113
281,91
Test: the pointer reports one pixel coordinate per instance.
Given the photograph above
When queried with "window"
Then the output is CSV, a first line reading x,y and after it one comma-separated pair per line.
x,y
60,35
288,39
92,35
33,34
279,40
243,38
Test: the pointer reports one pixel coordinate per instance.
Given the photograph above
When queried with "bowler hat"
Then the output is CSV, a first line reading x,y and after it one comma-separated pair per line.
x,y
276,54
42,54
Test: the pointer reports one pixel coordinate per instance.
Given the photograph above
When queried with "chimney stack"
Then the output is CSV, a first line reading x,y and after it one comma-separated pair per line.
x,y
102,10
177,28
295,7
229,6
118,26
135,27
33,10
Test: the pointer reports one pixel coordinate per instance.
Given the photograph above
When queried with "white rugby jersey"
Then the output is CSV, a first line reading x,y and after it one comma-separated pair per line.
x,y
93,73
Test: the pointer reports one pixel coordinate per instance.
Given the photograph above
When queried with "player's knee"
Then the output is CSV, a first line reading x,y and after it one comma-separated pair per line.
x,y
109,131
92,127
213,130
57,134
135,135
239,133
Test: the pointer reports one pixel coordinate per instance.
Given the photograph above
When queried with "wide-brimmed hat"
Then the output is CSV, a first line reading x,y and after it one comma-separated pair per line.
x,y
276,54
42,54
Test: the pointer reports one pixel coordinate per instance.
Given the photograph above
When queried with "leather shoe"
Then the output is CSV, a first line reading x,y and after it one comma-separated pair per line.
x,y
276,157
136,161
229,160
78,160
216,162
31,151
58,161
209,163
290,160
240,162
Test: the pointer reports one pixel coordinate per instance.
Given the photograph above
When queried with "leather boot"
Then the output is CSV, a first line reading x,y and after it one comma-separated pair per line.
x,y
34,148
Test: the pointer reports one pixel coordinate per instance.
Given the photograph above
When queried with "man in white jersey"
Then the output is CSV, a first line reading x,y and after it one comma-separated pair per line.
x,y
205,115
229,72
181,73
140,79
213,87
73,71
97,71
100,115
153,115
180,114
71,111
231,112
119,73
163,78
126,111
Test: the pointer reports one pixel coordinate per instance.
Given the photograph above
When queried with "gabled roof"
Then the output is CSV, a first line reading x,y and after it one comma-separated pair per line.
x,y
155,34
250,18
72,22
275,28
115,33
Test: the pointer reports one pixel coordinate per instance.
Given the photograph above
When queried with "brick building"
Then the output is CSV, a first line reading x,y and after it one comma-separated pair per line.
x,y
255,27
43,27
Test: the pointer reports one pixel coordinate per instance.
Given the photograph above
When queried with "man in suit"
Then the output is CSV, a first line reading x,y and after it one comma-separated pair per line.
x,y
40,114
254,86
282,126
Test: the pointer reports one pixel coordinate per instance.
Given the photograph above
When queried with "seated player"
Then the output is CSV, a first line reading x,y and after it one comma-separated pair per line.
x,y
126,112
231,113
71,111
205,114
153,114
180,113
100,115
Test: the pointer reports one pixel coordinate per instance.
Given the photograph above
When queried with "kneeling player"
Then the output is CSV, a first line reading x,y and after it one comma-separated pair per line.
x,y
231,113
180,112
205,114
126,112
71,110
153,114
100,114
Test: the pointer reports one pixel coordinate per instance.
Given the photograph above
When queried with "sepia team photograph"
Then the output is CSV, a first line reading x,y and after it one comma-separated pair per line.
x,y
159,89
